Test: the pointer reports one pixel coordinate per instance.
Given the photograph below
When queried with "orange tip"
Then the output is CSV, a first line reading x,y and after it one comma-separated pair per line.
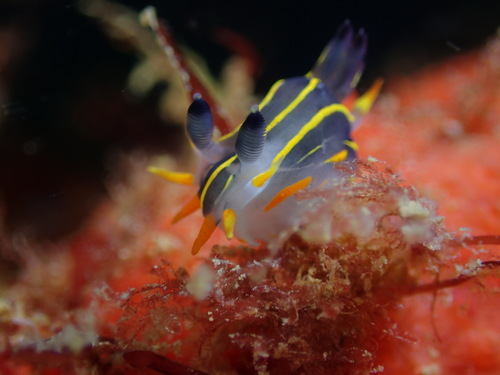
x,y
178,177
365,102
206,230
339,156
190,207
262,178
287,192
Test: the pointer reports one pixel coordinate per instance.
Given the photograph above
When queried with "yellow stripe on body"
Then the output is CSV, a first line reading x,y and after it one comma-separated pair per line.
x,y
260,179
270,95
323,55
308,154
230,134
212,177
313,83
228,181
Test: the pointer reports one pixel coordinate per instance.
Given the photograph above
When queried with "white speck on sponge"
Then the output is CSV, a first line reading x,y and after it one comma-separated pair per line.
x,y
69,338
202,282
418,221
412,209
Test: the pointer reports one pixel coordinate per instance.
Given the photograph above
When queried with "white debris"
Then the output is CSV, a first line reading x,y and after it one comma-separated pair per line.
x,y
201,283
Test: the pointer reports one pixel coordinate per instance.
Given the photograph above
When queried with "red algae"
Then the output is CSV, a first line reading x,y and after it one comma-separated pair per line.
x,y
449,112
313,307
440,129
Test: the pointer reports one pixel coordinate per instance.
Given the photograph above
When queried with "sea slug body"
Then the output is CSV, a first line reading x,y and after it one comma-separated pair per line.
x,y
290,142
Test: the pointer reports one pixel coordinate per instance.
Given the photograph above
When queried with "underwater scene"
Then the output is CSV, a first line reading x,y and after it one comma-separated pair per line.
x,y
249,188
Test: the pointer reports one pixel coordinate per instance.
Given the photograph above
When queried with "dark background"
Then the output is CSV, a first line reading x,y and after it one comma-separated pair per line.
x,y
65,113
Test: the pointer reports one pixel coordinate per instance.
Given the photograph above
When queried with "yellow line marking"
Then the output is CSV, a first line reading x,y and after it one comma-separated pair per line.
x,y
228,181
313,83
309,153
230,134
323,55
214,174
271,93
260,179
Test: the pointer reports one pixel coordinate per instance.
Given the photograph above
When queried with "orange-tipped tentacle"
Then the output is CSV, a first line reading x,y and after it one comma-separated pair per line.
x,y
191,206
339,156
206,231
287,192
363,104
177,177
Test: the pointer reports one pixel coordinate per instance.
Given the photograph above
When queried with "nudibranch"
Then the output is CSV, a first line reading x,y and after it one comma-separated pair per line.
x,y
289,142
